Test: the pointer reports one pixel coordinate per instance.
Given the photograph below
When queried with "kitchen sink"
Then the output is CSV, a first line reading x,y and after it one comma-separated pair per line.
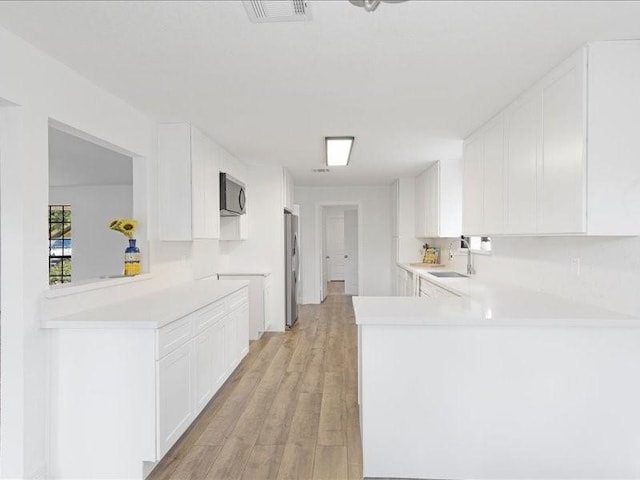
x,y
448,274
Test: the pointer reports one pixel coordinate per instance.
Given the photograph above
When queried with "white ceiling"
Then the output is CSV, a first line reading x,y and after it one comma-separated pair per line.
x,y
409,80
76,162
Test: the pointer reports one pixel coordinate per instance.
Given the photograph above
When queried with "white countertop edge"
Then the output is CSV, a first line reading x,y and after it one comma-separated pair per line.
x,y
383,321
244,274
83,319
64,289
61,323
504,307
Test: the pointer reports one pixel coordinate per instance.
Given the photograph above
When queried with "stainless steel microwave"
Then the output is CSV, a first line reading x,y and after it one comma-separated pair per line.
x,y
233,198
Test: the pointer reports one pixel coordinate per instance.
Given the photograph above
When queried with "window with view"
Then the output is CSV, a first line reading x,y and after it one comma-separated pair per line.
x,y
477,243
60,248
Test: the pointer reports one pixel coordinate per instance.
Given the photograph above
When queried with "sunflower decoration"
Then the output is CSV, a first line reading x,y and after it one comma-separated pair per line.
x,y
125,226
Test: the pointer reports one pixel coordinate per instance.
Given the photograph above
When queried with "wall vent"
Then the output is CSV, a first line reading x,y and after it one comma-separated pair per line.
x,y
263,11
321,170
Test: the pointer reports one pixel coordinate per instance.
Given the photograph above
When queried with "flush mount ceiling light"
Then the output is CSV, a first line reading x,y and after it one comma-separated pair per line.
x,y
338,150
371,5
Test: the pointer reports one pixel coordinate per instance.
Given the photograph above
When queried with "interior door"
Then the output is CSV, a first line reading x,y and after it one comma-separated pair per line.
x,y
351,252
335,248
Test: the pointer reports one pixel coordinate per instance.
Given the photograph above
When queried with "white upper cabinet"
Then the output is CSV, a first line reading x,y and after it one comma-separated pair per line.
x,y
438,197
395,209
287,190
205,187
188,184
523,123
484,192
405,246
562,205
473,194
493,178
613,177
562,159
421,205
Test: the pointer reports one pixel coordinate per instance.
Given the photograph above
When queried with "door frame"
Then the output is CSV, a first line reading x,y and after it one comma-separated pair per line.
x,y
319,234
327,238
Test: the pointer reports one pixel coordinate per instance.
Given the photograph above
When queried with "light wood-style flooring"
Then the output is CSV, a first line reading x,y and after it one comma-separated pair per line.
x,y
289,411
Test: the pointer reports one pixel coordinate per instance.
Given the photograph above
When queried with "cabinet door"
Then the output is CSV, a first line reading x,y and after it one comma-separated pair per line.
x,y
175,396
472,192
408,289
204,380
395,208
205,184
493,178
421,205
523,134
242,317
267,305
220,366
174,182
200,154
287,190
563,186
433,201
231,341
400,282
212,192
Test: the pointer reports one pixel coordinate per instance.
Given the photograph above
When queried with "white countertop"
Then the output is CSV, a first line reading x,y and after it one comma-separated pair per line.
x,y
153,310
245,273
482,303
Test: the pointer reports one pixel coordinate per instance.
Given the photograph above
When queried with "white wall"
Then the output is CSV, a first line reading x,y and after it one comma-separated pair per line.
x,y
264,249
36,91
41,89
598,271
374,211
608,274
97,250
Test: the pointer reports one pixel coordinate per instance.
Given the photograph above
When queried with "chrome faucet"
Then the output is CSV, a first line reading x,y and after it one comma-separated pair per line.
x,y
470,269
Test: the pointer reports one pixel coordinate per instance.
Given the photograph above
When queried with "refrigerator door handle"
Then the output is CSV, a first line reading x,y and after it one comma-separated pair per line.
x,y
295,253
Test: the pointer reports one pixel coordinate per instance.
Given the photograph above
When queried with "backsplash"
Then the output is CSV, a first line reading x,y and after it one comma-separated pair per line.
x,y
599,271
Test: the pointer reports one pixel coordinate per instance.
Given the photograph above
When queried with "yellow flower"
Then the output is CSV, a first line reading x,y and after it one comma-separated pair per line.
x,y
125,226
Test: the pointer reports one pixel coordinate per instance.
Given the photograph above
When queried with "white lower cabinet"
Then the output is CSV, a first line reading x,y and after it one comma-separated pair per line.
x,y
242,321
189,376
124,391
231,341
204,379
266,304
175,395
219,365
404,283
430,289
259,300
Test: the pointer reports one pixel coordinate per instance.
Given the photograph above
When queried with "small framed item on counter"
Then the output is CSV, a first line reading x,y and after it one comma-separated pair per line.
x,y
431,255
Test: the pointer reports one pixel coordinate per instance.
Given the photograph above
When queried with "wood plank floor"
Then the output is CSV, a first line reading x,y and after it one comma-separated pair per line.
x,y
290,410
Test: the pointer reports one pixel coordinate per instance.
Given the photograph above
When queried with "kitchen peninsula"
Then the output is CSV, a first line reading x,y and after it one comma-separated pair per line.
x,y
129,378
496,382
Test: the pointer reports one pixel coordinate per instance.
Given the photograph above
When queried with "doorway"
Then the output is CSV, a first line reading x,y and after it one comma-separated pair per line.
x,y
339,252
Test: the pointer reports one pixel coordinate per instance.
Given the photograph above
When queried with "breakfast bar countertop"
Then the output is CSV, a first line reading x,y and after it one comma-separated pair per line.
x,y
151,310
476,303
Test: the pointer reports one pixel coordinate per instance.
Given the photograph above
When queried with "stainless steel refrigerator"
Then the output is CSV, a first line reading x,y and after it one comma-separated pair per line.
x,y
292,266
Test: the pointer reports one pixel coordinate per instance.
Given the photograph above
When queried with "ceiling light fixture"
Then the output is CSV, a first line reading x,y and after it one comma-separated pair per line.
x,y
338,150
371,5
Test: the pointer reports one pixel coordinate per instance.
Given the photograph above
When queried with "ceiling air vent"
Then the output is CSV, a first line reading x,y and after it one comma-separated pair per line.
x,y
321,170
262,11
